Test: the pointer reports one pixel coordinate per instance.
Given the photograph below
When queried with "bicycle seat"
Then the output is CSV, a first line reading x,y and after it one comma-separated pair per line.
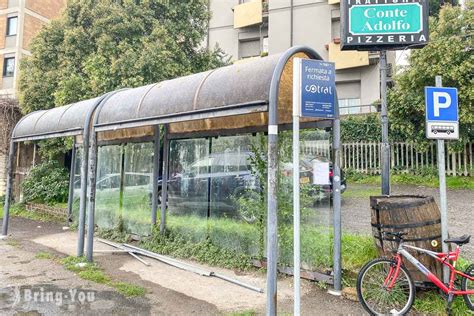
x,y
464,239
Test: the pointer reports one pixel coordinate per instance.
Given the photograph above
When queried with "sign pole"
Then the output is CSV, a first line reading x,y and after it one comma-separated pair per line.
x,y
442,194
384,116
296,186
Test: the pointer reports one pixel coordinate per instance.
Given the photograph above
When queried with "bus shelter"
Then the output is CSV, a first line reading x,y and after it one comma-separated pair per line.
x,y
250,97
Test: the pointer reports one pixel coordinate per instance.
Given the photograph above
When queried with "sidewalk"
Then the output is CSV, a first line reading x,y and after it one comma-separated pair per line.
x,y
169,290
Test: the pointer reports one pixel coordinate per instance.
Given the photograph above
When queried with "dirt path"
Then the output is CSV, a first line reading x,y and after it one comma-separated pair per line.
x,y
356,209
169,291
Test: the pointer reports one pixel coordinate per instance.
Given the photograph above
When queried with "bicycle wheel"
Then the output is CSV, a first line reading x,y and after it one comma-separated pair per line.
x,y
466,285
378,299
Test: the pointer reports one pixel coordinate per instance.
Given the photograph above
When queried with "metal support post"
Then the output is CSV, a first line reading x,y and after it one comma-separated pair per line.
x,y
296,194
156,174
384,117
442,194
8,191
70,199
272,221
337,204
91,194
164,182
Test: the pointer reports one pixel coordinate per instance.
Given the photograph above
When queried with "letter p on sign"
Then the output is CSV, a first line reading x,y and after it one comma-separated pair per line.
x,y
441,100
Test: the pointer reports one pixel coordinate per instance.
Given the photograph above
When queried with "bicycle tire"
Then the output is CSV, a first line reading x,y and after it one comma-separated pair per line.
x,y
468,299
372,310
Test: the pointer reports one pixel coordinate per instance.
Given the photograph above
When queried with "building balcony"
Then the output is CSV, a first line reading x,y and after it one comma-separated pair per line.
x,y
346,59
250,13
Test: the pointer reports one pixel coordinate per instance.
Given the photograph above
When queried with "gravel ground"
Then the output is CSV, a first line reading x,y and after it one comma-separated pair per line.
x,y
356,210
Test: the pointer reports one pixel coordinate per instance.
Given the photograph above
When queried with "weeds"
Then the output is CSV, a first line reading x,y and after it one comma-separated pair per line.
x,y
92,272
44,255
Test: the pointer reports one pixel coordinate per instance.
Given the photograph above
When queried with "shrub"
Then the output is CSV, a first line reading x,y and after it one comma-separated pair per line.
x,y
46,183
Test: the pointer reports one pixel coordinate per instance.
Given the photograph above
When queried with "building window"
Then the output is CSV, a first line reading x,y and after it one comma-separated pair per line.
x,y
249,48
12,25
265,46
9,67
349,106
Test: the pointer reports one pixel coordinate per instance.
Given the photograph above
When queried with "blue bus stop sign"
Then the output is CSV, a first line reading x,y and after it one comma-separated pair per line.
x,y
441,113
315,88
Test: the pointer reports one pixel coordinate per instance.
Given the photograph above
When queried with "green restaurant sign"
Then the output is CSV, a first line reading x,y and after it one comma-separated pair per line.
x,y
384,24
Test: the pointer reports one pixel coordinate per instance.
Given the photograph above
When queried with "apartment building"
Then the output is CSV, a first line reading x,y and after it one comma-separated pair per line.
x,y
20,21
252,28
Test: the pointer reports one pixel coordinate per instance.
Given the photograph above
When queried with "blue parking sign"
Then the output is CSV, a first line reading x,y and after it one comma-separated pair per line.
x,y
441,106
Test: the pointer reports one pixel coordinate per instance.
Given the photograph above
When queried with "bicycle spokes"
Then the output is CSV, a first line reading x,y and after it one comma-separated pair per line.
x,y
383,290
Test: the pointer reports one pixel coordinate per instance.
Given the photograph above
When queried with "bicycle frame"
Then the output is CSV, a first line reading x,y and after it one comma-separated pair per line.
x,y
439,256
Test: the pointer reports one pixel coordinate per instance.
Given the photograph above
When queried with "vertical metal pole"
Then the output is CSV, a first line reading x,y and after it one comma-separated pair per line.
x,y
83,196
272,221
442,194
296,186
384,117
91,194
156,174
70,199
122,181
337,203
164,182
8,190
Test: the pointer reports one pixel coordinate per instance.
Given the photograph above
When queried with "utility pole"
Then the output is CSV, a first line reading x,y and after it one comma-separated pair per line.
x,y
384,116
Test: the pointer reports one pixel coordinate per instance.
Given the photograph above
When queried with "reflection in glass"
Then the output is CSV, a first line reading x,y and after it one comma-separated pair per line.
x,y
77,185
108,199
188,202
137,188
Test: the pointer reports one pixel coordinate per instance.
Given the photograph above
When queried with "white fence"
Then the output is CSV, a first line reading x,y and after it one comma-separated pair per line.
x,y
365,157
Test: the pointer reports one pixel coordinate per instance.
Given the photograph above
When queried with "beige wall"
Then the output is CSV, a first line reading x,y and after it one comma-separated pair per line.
x,y
3,4
31,27
48,8
3,30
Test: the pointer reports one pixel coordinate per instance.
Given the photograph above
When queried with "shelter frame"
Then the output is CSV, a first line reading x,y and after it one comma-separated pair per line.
x,y
99,118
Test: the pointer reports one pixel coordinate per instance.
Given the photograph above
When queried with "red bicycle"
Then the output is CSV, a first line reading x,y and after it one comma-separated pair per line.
x,y
385,287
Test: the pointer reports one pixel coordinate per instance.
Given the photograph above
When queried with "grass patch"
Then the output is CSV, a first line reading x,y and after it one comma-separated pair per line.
x,y
92,272
44,255
19,210
13,243
432,303
94,275
409,179
361,192
129,290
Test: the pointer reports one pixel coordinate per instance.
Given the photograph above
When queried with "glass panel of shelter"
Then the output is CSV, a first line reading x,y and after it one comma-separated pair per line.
x,y
137,188
216,193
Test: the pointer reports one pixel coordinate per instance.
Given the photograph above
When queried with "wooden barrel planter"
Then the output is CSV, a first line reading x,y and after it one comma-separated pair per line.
x,y
418,216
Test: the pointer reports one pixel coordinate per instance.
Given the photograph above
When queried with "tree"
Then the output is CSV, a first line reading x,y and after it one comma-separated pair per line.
x,y
449,54
102,45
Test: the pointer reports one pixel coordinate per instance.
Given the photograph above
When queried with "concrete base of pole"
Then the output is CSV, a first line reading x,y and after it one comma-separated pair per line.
x,y
335,292
2,237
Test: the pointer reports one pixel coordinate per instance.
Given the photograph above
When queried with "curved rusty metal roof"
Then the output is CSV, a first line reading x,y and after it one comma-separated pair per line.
x,y
242,88
66,120
238,89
